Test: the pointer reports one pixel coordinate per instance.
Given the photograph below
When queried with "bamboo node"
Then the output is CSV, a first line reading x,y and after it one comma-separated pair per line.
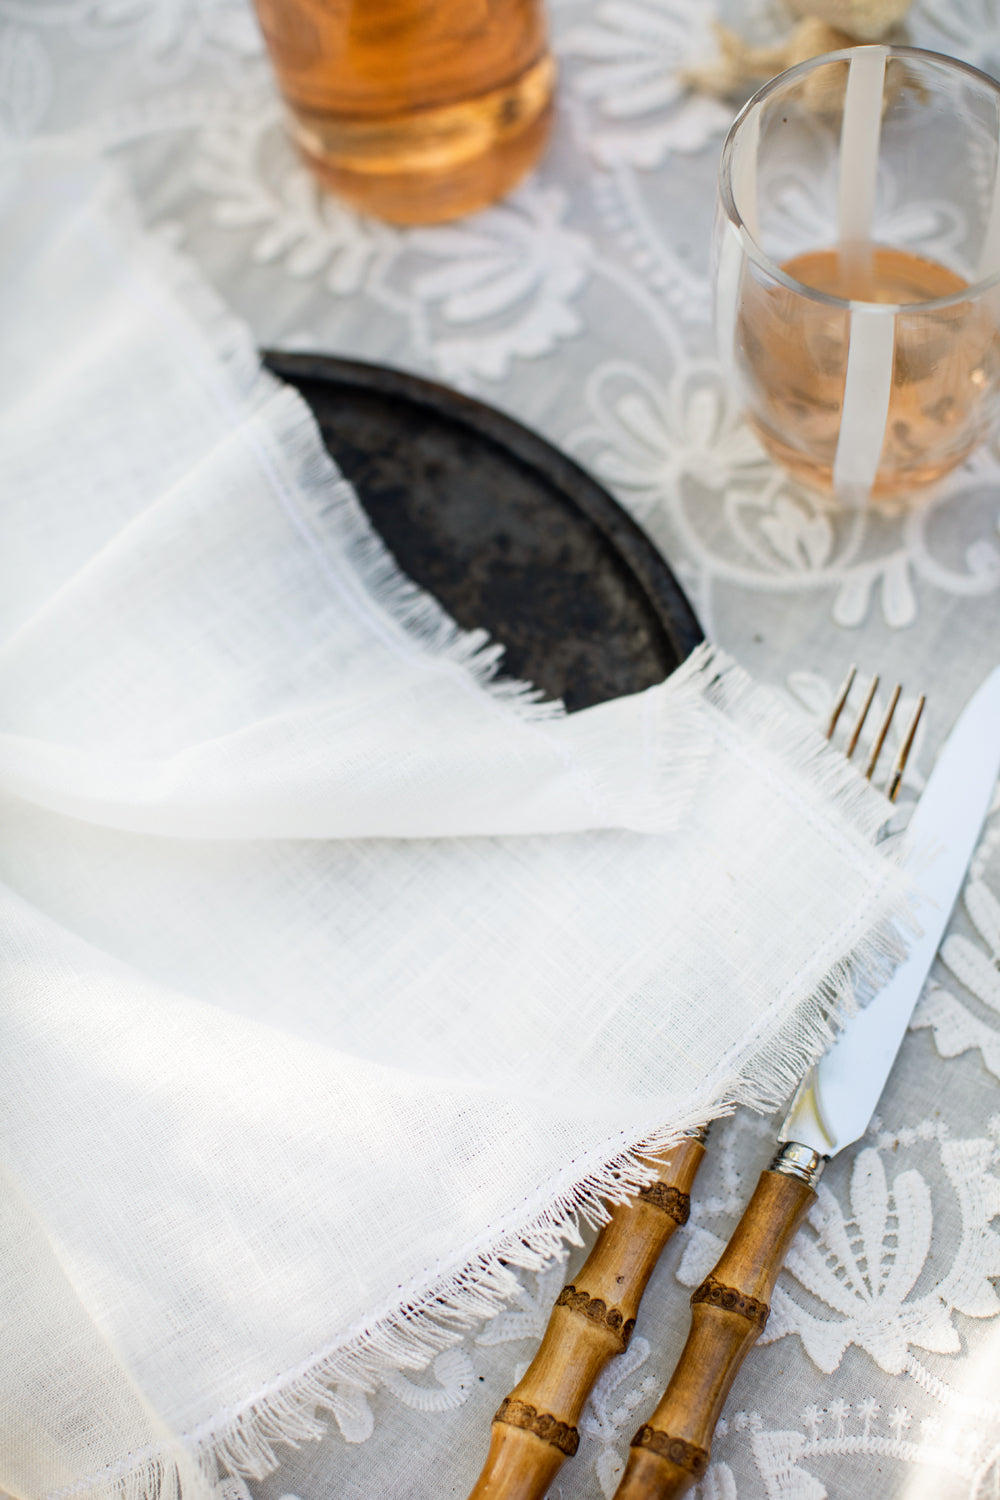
x,y
670,1199
730,1299
596,1310
561,1435
685,1455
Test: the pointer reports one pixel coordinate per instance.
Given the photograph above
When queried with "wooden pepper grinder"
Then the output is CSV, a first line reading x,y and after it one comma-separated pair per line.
x,y
414,111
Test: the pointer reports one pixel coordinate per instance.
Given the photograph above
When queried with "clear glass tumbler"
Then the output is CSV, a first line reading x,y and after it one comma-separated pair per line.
x,y
414,110
857,269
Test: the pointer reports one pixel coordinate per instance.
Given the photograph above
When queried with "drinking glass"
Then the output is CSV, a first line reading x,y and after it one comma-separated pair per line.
x,y
857,269
415,111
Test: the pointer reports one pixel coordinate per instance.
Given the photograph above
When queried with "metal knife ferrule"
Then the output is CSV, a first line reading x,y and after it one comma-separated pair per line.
x,y
797,1160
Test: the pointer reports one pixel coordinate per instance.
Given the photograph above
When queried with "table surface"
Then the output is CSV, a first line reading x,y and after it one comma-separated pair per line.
x,y
581,306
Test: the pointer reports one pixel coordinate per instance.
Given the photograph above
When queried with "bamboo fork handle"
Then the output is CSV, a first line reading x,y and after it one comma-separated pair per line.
x,y
728,1312
534,1431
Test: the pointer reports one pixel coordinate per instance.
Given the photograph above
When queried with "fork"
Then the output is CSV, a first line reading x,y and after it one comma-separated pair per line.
x,y
534,1430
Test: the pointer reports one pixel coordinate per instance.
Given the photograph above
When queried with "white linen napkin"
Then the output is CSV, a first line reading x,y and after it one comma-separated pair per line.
x,y
335,973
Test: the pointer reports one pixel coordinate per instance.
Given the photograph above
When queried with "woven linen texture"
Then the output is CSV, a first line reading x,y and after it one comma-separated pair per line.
x,y
336,973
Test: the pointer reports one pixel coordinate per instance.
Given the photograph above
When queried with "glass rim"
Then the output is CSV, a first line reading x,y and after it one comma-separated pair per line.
x,y
763,261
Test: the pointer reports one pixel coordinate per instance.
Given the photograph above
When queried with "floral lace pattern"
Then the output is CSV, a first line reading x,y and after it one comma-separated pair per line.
x,y
581,304
630,57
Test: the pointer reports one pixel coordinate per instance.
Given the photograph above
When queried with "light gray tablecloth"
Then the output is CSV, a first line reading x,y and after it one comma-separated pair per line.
x,y
581,306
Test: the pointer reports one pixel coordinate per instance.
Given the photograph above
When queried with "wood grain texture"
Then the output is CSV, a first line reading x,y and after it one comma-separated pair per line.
x,y
670,1452
535,1429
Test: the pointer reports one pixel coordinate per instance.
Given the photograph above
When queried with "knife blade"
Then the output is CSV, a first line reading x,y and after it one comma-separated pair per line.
x,y
829,1111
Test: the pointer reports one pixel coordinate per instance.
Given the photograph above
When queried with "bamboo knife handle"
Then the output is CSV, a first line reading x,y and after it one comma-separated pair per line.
x,y
534,1430
670,1452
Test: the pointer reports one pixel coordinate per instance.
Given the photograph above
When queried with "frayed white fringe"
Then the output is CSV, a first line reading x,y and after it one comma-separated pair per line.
x,y
435,1317
335,527
355,558
737,713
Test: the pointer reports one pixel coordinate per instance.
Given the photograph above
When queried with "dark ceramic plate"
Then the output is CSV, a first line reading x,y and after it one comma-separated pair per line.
x,y
509,534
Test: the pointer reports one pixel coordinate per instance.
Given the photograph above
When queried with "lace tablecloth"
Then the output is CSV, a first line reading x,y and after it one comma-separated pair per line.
x,y
581,306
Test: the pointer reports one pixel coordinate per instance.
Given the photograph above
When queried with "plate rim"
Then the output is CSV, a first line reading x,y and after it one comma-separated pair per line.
x,y
620,531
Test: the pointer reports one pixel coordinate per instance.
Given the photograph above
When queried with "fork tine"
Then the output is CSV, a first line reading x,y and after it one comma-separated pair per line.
x,y
859,722
896,775
845,688
880,734
878,742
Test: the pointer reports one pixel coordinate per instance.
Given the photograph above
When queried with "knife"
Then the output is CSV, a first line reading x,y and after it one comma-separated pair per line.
x,y
829,1111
